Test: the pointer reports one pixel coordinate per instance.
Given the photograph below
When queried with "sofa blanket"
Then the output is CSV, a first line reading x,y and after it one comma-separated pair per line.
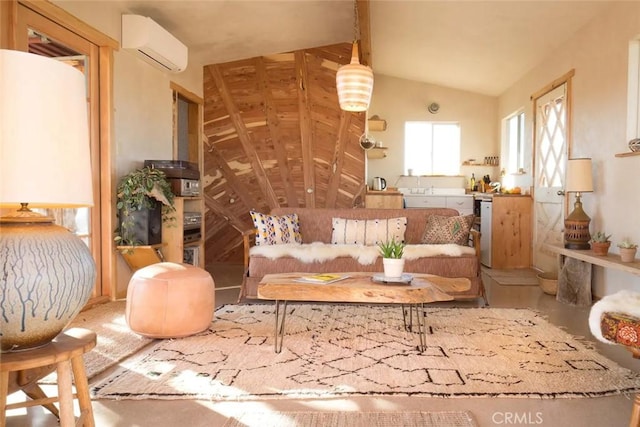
x,y
317,254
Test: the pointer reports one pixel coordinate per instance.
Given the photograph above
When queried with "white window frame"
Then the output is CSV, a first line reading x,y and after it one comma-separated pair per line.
x,y
421,166
633,90
514,149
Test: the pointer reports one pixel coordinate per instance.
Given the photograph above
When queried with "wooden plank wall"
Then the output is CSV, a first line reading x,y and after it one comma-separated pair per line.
x,y
274,135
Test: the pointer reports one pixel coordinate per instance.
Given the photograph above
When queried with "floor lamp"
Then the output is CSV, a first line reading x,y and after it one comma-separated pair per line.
x,y
579,179
45,162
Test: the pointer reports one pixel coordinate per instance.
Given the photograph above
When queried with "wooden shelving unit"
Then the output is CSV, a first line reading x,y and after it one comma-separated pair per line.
x,y
173,232
137,257
629,154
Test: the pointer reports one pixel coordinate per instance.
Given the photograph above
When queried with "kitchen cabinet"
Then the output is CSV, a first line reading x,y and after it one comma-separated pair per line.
x,y
462,203
510,232
383,200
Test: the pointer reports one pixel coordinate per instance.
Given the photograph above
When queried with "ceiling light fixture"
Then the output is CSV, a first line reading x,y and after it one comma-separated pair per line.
x,y
354,81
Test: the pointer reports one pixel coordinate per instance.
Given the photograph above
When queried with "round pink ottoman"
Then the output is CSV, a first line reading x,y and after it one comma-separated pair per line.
x,y
169,300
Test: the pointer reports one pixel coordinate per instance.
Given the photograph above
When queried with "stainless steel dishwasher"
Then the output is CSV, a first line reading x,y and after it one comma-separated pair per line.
x,y
485,229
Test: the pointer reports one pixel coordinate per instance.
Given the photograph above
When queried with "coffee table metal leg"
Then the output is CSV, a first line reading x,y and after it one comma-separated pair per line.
x,y
421,323
279,331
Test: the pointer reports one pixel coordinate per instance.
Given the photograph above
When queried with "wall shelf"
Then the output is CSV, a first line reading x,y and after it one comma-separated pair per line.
x,y
629,154
377,153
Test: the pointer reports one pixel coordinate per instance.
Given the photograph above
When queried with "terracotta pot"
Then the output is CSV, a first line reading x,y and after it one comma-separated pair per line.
x,y
628,254
600,248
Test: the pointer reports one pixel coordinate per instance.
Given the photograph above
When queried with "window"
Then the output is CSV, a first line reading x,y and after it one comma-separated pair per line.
x,y
514,132
432,148
633,89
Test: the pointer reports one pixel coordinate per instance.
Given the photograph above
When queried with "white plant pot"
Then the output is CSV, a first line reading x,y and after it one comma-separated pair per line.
x,y
393,267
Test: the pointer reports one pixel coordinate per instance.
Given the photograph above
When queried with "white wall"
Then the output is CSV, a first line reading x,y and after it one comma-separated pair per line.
x,y
143,118
599,55
398,100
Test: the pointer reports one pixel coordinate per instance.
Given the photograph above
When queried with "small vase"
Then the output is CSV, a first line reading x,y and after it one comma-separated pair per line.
x,y
600,248
628,254
393,267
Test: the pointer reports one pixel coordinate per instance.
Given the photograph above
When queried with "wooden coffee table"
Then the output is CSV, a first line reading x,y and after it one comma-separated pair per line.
x,y
359,288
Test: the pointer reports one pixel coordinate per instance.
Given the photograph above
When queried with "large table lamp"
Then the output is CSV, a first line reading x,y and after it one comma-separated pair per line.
x,y
579,179
47,273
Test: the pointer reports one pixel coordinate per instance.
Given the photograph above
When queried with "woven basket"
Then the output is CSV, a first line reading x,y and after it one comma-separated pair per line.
x,y
548,282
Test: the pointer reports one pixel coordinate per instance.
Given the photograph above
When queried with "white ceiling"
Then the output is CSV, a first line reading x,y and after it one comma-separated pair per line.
x,y
480,46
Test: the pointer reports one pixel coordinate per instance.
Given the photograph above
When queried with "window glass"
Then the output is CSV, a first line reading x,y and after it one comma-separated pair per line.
x,y
515,141
432,148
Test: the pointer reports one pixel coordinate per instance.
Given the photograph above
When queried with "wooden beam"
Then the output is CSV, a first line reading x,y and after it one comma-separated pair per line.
x,y
306,137
273,123
243,136
8,24
219,208
338,159
364,21
232,180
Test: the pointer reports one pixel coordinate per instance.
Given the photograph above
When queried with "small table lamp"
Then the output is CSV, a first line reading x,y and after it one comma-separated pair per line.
x,y
48,273
579,179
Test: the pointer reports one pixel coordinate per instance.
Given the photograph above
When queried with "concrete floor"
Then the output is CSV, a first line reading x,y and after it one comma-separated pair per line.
x,y
586,412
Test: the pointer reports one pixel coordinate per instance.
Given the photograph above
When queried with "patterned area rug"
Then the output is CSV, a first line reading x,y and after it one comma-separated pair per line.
x,y
350,350
115,340
353,419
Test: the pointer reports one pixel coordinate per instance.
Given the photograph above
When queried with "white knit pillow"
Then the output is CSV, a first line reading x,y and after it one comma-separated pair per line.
x,y
368,231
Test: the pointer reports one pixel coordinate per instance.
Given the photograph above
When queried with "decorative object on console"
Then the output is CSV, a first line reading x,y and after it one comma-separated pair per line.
x,y
634,145
433,108
354,81
392,261
48,272
578,180
367,142
600,243
627,250
142,191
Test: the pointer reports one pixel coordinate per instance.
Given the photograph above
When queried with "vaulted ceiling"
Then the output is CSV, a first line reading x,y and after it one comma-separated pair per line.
x,y
480,46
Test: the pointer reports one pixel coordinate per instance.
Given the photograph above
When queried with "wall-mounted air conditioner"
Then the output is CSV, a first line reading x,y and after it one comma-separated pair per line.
x,y
153,43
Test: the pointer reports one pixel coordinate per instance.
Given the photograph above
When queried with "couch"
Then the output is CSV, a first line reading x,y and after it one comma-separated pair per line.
x,y
320,255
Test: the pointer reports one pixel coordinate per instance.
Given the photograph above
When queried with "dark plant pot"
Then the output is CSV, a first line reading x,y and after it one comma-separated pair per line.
x,y
600,248
147,228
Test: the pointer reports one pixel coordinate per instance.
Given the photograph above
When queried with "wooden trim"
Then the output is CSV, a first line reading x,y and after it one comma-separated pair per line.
x,y
67,20
8,24
185,93
554,84
338,159
629,154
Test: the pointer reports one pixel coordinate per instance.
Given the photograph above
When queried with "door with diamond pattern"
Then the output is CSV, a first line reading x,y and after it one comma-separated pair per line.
x,y
551,151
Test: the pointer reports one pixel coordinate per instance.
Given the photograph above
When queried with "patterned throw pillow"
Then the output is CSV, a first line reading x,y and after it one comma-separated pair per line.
x,y
368,231
448,229
276,230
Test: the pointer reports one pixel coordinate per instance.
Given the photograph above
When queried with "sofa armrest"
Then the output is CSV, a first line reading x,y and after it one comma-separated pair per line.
x,y
246,242
474,239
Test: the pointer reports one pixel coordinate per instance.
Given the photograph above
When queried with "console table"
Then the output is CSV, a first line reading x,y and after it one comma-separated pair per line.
x,y
575,267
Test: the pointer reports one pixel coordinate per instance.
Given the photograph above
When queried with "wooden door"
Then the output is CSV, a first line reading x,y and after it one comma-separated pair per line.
x,y
550,152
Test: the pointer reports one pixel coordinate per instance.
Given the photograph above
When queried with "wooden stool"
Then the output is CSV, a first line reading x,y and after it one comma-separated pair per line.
x,y
64,354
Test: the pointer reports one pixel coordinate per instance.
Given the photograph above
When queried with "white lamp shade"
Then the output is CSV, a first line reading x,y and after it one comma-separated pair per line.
x,y
45,157
579,178
354,82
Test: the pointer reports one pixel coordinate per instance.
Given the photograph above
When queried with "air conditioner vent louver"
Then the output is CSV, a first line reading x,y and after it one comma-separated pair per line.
x,y
153,43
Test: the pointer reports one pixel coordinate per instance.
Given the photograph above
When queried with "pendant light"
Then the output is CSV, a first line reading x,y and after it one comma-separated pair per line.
x,y
354,81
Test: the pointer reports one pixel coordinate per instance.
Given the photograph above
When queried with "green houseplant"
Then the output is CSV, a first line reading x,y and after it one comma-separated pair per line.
x,y
627,250
392,260
141,191
600,243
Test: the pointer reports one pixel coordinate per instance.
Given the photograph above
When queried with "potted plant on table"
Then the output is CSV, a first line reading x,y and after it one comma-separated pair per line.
x,y
392,260
600,243
627,250
142,194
